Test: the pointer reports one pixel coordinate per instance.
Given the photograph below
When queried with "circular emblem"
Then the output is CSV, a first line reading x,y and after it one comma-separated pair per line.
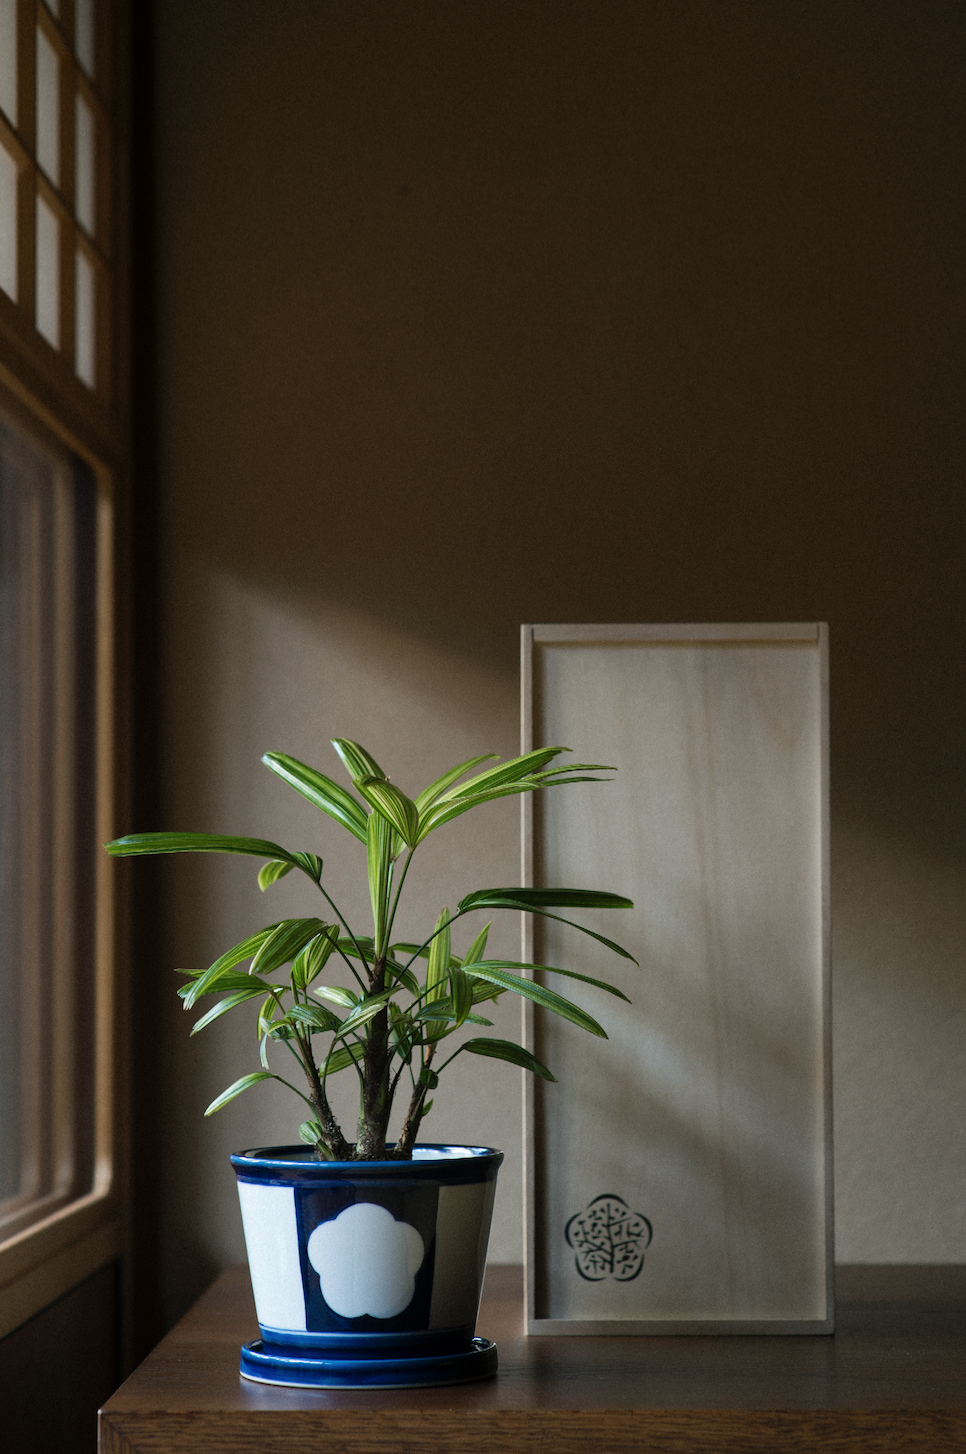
x,y
609,1239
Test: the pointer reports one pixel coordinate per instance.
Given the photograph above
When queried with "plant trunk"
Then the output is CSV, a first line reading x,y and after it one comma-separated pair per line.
x,y
334,1138
410,1130
374,1120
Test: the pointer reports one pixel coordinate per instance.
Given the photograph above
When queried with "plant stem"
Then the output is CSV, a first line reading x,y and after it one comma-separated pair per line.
x,y
407,1136
395,902
332,1131
334,907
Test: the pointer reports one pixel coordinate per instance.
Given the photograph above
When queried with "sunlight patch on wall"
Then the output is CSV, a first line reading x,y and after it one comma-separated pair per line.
x,y
250,674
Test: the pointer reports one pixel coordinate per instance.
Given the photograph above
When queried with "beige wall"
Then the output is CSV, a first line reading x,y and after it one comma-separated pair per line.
x,y
481,313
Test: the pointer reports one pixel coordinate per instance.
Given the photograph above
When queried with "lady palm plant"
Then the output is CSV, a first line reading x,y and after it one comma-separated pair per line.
x,y
391,1026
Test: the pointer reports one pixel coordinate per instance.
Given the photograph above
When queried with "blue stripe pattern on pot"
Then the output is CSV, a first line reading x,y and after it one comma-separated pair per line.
x,y
367,1259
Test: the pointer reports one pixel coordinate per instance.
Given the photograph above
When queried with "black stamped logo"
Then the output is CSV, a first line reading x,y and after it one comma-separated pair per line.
x,y
609,1239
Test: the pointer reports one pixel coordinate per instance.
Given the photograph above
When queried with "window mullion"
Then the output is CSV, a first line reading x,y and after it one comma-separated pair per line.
x,y
32,804
27,240
62,771
26,119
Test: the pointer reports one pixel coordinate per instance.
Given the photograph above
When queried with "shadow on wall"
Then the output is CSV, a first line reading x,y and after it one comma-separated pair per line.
x,y
258,677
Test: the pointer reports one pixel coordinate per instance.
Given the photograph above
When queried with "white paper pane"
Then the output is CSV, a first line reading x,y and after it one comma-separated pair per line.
x,y
54,7
48,108
84,34
84,319
8,223
48,274
84,165
8,58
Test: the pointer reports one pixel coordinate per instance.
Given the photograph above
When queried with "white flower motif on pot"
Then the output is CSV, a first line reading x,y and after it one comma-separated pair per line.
x,y
366,1261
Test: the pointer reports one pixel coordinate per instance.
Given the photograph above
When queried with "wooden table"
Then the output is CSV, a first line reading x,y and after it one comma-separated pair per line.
x,y
893,1377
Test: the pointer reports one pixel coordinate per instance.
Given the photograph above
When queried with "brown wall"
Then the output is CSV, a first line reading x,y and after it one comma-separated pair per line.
x,y
480,313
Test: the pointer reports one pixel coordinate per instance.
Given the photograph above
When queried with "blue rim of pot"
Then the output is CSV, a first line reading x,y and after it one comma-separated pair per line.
x,y
430,1162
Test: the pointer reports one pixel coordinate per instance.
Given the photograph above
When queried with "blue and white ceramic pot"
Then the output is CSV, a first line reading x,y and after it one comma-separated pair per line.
x,y
367,1273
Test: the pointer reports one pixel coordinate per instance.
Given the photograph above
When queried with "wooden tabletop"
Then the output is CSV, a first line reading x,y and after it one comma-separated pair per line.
x,y
893,1377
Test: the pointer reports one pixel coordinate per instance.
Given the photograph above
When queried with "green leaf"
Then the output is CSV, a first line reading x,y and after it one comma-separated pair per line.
x,y
439,1010
519,775
270,873
421,951
547,999
223,1006
320,790
379,861
265,1011
461,994
356,948
342,1058
237,1087
401,1032
442,1010
356,759
445,811
523,899
310,1132
440,957
507,1050
439,960
508,772
286,940
561,779
544,899
316,1017
228,980
483,992
364,1012
499,782
403,976
572,767
478,948
600,984
135,843
206,982
348,999
310,863
311,960
428,1078
387,799
430,794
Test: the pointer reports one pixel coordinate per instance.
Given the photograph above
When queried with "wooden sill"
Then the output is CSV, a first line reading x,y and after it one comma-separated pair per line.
x,y
892,1378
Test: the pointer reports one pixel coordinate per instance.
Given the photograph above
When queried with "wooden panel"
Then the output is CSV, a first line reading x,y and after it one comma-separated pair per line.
x,y
707,1112
56,1369
893,1378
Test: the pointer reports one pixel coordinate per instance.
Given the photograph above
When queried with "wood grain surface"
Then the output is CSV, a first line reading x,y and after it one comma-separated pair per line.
x,y
893,1378
706,1110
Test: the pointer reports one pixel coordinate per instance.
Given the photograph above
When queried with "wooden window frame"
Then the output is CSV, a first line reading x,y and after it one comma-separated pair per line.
x,y
45,1259
19,137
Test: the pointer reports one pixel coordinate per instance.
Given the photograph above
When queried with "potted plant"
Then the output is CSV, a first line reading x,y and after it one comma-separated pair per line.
x,y
367,1255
